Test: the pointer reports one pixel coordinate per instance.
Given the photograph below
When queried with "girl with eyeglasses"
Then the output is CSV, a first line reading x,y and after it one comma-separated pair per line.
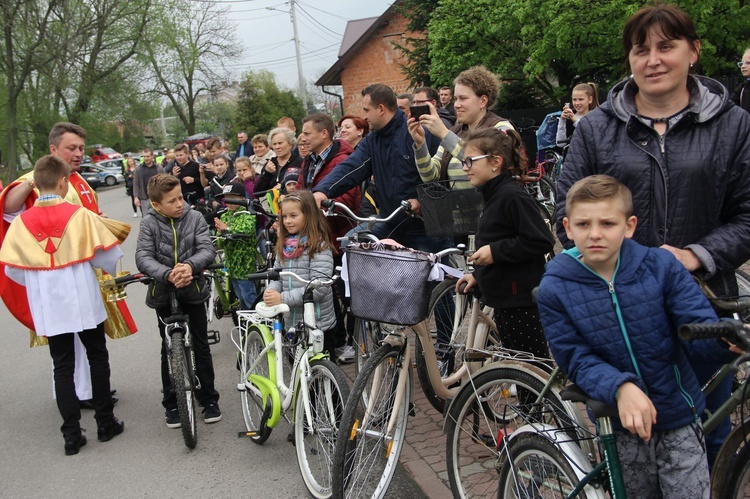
x,y
512,238
741,94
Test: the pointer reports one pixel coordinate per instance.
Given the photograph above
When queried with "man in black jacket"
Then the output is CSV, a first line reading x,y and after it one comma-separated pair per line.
x,y
143,173
189,174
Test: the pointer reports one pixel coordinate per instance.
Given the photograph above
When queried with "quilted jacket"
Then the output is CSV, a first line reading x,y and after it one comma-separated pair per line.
x,y
321,265
603,334
691,187
163,242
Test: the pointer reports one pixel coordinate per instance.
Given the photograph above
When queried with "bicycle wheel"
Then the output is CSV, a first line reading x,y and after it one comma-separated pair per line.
x,y
547,195
183,385
366,453
536,468
254,412
328,392
743,283
477,421
730,477
365,341
448,317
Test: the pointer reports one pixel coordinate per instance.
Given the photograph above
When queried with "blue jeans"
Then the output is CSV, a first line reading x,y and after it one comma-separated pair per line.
x,y
246,292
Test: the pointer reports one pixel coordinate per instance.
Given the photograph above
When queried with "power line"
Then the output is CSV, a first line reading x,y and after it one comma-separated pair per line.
x,y
325,12
317,31
318,23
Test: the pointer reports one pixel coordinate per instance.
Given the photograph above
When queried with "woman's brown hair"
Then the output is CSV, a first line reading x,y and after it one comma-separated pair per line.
x,y
670,20
505,144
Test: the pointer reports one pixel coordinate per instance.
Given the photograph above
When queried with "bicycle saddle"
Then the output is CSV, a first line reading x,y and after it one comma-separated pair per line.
x,y
574,393
270,312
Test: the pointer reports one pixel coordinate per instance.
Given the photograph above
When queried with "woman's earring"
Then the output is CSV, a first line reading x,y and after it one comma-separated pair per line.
x,y
691,65
494,169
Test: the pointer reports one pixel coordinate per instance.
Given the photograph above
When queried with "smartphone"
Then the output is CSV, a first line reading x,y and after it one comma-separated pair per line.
x,y
567,104
417,111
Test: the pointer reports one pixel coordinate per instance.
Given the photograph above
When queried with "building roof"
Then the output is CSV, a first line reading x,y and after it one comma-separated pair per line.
x,y
356,34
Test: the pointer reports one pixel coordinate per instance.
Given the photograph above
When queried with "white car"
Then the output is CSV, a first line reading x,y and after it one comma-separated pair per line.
x,y
108,176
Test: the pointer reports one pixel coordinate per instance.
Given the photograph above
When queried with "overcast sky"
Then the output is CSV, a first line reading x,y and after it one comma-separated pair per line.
x,y
267,35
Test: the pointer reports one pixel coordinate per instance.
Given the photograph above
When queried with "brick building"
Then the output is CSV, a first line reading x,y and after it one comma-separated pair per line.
x,y
367,55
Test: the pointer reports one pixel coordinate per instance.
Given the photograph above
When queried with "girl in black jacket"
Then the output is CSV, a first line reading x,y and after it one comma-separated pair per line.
x,y
512,238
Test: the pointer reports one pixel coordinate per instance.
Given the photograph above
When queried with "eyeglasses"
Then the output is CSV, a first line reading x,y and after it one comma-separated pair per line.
x,y
743,63
469,162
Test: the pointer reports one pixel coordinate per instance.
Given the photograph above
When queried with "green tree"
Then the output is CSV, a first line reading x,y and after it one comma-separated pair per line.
x,y
416,44
261,103
187,48
555,44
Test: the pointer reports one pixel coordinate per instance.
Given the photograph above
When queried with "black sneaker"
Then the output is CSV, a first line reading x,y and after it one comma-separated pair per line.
x,y
73,444
211,413
173,418
108,432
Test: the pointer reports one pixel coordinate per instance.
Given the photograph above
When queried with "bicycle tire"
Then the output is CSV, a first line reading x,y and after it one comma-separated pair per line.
x,y
743,283
183,385
473,429
536,468
363,463
459,331
730,476
328,392
254,412
548,196
364,342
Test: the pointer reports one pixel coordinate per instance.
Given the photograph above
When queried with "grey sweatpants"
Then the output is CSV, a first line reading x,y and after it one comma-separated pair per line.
x,y
672,465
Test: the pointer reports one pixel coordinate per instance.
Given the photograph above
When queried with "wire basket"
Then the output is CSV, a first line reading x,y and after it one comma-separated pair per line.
x,y
389,284
448,211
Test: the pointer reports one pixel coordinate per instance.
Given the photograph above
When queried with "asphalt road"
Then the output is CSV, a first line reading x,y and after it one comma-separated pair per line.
x,y
148,459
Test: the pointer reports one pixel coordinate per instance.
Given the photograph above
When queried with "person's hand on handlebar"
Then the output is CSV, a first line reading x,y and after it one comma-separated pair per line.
x,y
470,282
416,207
319,198
272,297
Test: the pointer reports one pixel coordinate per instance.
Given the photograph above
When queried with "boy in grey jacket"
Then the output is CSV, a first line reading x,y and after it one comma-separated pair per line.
x,y
174,247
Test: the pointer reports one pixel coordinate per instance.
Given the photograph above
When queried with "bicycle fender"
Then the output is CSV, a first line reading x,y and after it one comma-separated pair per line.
x,y
268,389
267,335
531,369
580,463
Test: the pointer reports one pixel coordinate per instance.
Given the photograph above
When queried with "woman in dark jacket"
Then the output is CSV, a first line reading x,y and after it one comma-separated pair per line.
x,y
512,238
741,94
282,142
683,149
130,167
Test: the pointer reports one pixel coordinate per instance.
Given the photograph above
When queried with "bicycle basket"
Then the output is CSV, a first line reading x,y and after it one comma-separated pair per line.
x,y
387,284
447,211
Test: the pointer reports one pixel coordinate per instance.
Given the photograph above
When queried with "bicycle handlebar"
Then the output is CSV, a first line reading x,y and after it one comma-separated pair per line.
x,y
730,329
274,275
331,206
252,204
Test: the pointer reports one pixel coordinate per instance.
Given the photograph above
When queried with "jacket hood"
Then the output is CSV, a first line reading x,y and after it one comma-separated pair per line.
x,y
161,217
708,98
568,265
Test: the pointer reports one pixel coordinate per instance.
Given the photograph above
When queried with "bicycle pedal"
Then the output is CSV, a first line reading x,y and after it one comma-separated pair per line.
x,y
247,434
412,409
213,336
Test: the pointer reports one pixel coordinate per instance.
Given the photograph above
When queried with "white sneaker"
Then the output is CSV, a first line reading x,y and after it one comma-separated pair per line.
x,y
347,355
135,215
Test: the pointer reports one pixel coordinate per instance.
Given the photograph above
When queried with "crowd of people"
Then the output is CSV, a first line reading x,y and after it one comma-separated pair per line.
x,y
655,187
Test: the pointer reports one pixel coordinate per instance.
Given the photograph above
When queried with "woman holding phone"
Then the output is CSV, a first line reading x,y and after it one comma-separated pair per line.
x,y
476,91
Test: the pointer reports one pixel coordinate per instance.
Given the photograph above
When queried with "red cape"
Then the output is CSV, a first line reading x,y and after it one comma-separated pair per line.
x,y
13,294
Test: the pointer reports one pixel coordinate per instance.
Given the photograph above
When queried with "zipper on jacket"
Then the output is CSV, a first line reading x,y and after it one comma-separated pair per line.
x,y
684,393
174,232
662,148
618,313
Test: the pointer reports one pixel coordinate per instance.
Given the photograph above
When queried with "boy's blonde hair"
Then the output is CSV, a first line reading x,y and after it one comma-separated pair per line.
x,y
160,184
598,188
48,171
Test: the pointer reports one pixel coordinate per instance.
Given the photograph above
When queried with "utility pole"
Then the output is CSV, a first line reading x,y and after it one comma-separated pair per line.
x,y
302,83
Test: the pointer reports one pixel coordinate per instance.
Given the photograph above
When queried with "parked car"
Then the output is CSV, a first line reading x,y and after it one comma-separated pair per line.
x,y
116,165
101,153
106,176
92,178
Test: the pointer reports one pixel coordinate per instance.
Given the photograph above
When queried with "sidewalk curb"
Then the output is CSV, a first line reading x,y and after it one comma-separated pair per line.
x,y
423,474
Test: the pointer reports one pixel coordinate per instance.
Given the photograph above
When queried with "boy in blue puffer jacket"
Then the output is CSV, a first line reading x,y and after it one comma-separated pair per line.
x,y
610,310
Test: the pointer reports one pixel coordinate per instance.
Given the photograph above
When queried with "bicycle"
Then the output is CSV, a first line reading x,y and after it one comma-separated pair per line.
x,y
374,423
462,319
538,460
179,347
316,388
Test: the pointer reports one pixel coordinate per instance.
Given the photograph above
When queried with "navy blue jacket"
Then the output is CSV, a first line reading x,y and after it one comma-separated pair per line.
x,y
605,334
388,154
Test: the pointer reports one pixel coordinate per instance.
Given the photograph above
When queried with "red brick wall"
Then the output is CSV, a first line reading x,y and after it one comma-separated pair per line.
x,y
377,61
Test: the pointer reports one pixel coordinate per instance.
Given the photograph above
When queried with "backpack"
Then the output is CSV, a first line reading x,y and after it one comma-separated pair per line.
x,y
547,131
